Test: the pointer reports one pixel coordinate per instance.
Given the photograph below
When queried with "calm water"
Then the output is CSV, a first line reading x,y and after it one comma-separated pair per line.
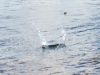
x,y
20,49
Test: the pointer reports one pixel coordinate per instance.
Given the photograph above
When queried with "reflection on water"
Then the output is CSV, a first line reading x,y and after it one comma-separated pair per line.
x,y
20,49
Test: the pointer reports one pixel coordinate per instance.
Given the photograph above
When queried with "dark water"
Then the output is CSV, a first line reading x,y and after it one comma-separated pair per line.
x,y
20,49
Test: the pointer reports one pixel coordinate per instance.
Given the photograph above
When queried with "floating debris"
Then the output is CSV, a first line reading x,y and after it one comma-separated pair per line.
x,y
65,13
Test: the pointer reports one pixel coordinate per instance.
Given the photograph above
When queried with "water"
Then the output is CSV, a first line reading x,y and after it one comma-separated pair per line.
x,y
20,48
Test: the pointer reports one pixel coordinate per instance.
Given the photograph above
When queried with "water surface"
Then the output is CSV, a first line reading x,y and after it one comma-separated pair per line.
x,y
20,48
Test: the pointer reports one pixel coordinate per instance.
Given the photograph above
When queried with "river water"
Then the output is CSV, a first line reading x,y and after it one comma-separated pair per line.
x,y
20,49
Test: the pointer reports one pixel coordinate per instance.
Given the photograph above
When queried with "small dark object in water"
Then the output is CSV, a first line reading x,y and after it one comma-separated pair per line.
x,y
53,46
65,13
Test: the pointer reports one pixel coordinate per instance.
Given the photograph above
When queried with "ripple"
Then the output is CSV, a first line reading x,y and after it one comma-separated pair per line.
x,y
3,27
7,17
1,71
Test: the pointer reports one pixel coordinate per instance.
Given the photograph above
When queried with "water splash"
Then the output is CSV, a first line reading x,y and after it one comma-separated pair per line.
x,y
51,43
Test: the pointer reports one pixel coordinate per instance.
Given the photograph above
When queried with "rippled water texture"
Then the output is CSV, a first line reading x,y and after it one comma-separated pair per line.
x,y
20,48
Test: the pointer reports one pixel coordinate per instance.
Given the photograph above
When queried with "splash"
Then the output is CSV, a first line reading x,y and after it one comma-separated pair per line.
x,y
51,43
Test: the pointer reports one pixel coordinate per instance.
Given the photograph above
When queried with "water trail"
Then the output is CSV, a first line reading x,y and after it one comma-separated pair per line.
x,y
63,36
37,32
